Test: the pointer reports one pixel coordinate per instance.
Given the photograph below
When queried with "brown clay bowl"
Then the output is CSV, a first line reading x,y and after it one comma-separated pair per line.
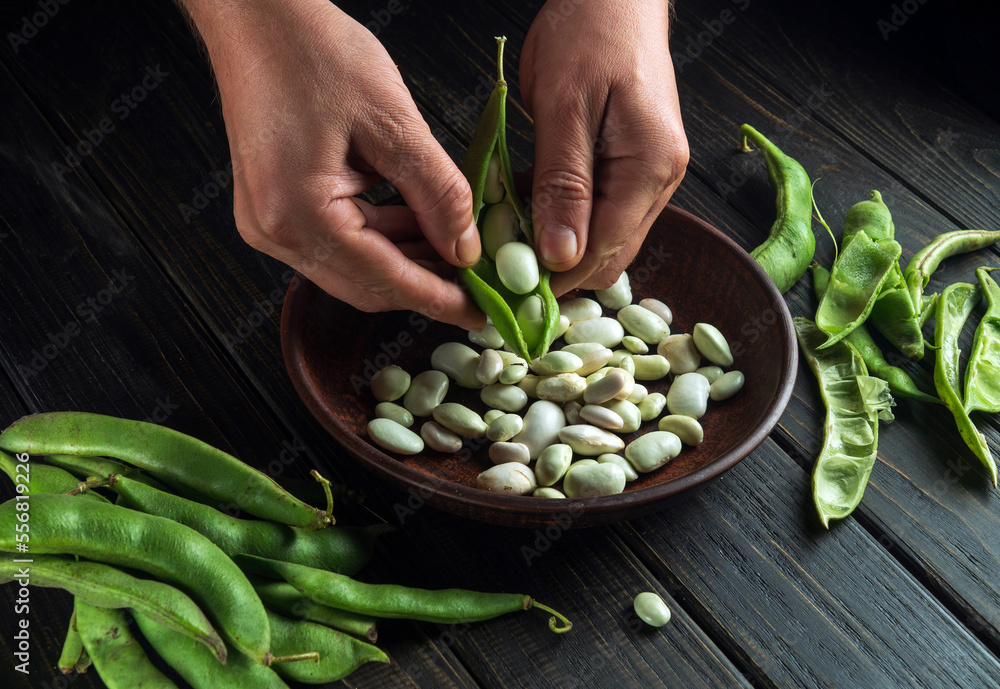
x,y
331,350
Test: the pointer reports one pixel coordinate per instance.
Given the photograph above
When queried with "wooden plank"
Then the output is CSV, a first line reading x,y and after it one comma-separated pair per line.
x,y
804,608
927,499
177,262
892,113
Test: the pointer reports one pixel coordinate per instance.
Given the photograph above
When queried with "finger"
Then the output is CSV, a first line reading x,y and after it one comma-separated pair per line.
x,y
430,182
563,186
377,266
396,222
630,197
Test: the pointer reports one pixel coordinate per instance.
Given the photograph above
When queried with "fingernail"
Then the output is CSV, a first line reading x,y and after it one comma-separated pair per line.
x,y
467,247
558,244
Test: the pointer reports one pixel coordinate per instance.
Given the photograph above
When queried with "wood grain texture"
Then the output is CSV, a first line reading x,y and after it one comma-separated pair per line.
x,y
804,607
927,501
756,588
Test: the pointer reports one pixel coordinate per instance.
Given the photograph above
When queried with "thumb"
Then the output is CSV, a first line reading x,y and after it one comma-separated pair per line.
x,y
563,188
435,190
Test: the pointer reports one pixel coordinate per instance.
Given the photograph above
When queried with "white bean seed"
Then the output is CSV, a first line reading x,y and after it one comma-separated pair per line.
x,y
618,296
426,391
651,609
489,368
684,427
514,478
589,440
542,423
688,395
459,362
712,344
390,383
659,308
439,438
603,330
393,437
643,323
651,451
504,452
726,386
517,267
680,351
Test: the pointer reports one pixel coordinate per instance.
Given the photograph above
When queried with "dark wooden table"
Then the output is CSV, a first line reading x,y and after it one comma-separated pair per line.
x,y
126,290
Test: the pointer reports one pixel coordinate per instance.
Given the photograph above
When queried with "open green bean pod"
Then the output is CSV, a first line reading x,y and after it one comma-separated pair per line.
x,y
857,277
953,309
982,375
900,382
529,336
855,402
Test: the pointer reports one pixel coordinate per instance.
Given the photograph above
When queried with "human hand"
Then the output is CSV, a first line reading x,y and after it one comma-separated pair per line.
x,y
316,113
610,148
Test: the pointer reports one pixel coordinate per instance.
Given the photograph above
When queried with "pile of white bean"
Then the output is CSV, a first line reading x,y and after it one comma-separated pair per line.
x,y
588,394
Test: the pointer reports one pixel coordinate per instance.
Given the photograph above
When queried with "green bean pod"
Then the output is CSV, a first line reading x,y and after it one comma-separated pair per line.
x,y
953,309
444,606
72,655
84,467
482,280
872,216
198,666
106,587
923,264
339,654
790,246
900,382
41,478
854,404
171,552
343,549
165,453
117,655
282,597
982,374
856,279
894,315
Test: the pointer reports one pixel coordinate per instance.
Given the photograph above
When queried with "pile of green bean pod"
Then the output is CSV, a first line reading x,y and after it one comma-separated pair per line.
x,y
96,521
867,286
